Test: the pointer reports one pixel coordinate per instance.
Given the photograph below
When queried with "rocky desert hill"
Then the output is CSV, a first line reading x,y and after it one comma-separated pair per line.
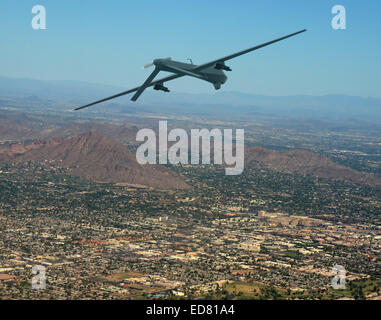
x,y
97,158
305,162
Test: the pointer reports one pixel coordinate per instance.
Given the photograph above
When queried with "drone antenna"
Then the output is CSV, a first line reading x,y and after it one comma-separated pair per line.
x,y
190,60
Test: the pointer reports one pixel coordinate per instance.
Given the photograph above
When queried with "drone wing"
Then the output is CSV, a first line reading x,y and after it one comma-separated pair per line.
x,y
162,80
234,55
147,83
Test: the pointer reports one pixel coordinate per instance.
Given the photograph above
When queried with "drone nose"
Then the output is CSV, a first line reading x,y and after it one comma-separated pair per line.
x,y
161,60
155,62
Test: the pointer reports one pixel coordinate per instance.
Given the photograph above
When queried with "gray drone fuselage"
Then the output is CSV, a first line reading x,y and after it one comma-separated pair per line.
x,y
215,76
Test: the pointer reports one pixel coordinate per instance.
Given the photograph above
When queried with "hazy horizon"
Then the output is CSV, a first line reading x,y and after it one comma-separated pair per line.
x,y
211,93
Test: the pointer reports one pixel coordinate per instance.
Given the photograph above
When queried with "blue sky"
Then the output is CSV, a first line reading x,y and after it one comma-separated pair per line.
x,y
108,42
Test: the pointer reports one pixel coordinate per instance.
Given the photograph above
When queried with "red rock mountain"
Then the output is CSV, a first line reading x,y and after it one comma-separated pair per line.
x,y
98,158
305,162
93,156
13,150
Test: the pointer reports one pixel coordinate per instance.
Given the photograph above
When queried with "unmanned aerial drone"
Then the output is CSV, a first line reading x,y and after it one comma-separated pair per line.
x,y
212,72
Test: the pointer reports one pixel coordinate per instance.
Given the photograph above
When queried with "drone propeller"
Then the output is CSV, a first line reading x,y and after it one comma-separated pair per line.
x,y
148,65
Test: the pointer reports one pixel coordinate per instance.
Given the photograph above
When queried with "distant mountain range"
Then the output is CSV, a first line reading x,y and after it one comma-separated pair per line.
x,y
222,103
67,91
95,157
